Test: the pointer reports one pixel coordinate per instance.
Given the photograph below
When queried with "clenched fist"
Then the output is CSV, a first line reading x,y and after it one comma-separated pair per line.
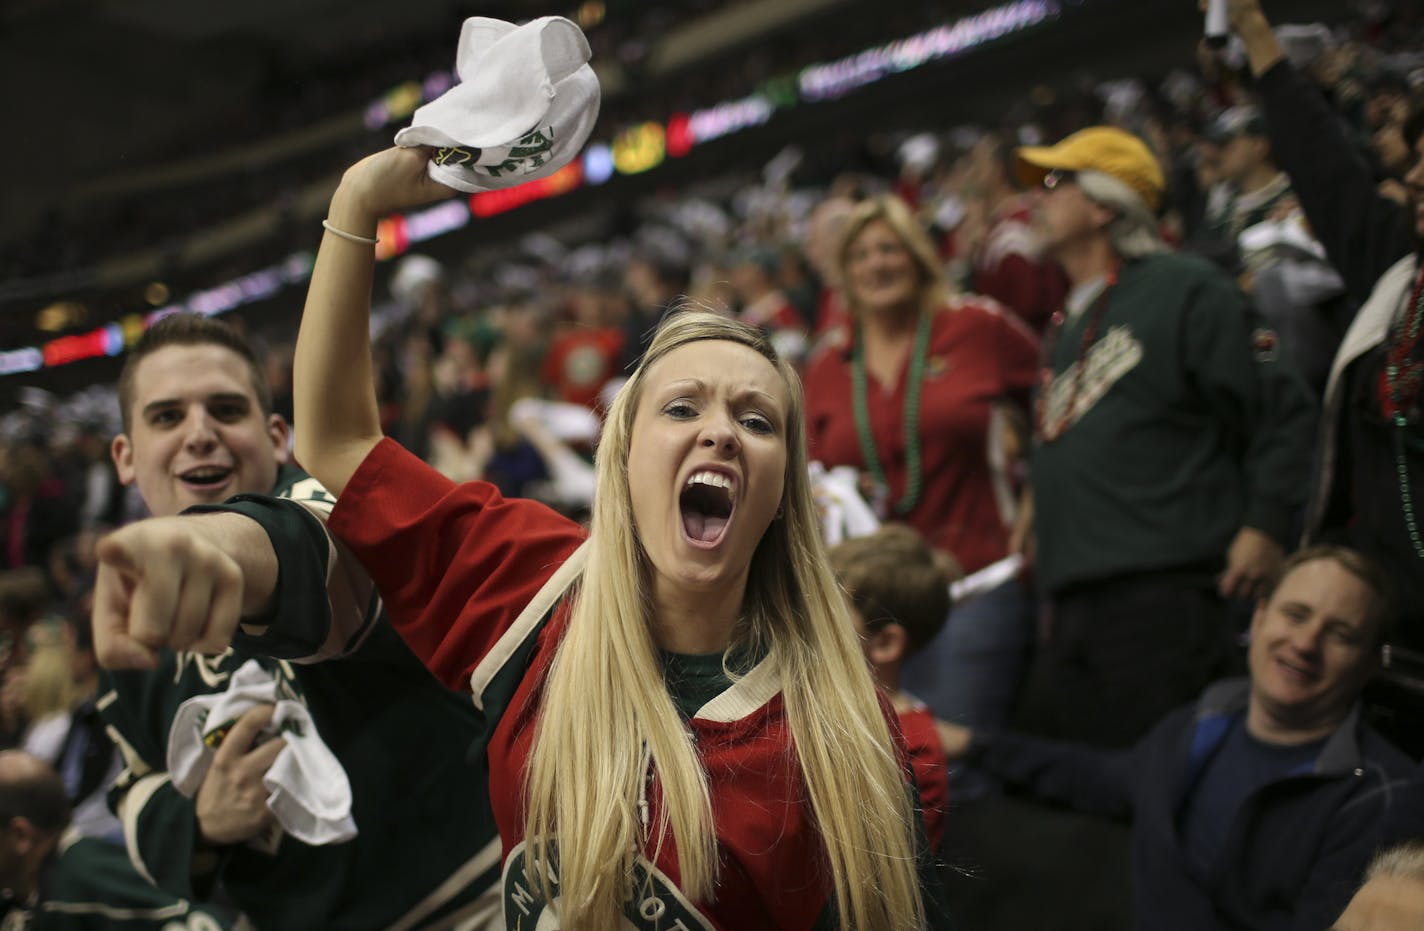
x,y
171,582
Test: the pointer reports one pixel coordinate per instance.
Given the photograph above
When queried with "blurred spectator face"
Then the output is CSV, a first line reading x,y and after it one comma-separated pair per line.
x,y
24,845
25,469
1208,163
1385,903
1386,106
524,325
587,306
986,170
1063,215
750,281
1313,645
1388,143
643,281
880,273
616,306
712,288
823,233
1240,156
199,435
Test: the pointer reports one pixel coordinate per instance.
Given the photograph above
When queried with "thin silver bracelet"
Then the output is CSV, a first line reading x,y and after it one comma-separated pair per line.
x,y
366,240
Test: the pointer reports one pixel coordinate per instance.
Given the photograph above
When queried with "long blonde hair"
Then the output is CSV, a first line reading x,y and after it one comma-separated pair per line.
x,y
607,716
893,212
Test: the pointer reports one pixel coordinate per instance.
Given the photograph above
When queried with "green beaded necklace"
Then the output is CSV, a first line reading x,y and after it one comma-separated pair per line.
x,y
1405,337
912,415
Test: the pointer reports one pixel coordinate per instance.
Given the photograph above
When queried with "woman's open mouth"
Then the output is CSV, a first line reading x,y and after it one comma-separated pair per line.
x,y
706,503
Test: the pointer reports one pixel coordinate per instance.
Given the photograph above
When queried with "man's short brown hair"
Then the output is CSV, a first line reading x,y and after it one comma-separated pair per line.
x,y
189,330
893,577
1383,607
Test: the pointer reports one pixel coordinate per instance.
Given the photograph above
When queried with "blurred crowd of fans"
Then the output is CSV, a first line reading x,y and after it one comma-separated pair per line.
x,y
459,345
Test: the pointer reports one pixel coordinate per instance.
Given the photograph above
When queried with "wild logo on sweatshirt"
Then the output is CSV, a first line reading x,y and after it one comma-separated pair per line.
x,y
653,904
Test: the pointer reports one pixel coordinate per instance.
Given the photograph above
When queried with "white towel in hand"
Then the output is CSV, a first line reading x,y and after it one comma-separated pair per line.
x,y
526,103
309,792
843,512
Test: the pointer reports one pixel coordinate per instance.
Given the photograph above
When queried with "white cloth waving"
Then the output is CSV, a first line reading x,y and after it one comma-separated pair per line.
x,y
526,103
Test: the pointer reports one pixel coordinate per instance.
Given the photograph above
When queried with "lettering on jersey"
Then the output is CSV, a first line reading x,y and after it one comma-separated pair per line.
x,y
1104,364
215,669
208,667
654,903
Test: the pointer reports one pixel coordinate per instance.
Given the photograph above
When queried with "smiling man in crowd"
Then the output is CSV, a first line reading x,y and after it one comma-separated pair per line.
x,y
1258,806
198,429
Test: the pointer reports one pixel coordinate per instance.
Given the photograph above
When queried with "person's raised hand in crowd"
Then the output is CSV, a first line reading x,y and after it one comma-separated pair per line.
x,y
180,583
1252,560
381,184
1249,22
231,805
340,426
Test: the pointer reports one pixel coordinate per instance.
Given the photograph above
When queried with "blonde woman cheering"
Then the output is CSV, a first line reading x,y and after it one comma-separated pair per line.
x,y
683,731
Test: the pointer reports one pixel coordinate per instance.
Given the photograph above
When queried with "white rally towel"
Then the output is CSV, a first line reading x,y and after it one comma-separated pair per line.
x,y
526,103
843,512
309,792
985,580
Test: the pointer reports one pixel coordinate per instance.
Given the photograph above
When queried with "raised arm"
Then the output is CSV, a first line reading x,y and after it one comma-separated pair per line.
x,y
335,395
1363,232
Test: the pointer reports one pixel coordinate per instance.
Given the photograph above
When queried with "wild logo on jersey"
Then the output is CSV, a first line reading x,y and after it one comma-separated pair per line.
x,y
654,904
1084,383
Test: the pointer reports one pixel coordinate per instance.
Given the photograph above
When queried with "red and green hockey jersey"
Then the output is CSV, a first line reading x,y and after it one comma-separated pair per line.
x,y
475,583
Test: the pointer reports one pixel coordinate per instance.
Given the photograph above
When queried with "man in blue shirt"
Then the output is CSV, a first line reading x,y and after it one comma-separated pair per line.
x,y
1258,806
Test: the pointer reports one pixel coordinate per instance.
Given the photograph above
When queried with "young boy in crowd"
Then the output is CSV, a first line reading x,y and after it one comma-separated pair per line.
x,y
899,599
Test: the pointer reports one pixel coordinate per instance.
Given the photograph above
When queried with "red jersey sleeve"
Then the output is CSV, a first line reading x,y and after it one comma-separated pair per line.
x,y
455,564
931,768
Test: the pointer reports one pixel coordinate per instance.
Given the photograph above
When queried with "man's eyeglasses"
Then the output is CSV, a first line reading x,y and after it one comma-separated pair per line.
x,y
1056,178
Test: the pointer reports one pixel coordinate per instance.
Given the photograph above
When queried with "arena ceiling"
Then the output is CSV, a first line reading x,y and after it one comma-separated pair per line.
x,y
95,87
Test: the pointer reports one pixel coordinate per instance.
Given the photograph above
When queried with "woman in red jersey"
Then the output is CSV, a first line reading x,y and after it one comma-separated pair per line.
x,y
920,394
682,729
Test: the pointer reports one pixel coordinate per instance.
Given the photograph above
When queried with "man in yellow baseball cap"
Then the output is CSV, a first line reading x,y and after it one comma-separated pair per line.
x,y
1172,450
1106,149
